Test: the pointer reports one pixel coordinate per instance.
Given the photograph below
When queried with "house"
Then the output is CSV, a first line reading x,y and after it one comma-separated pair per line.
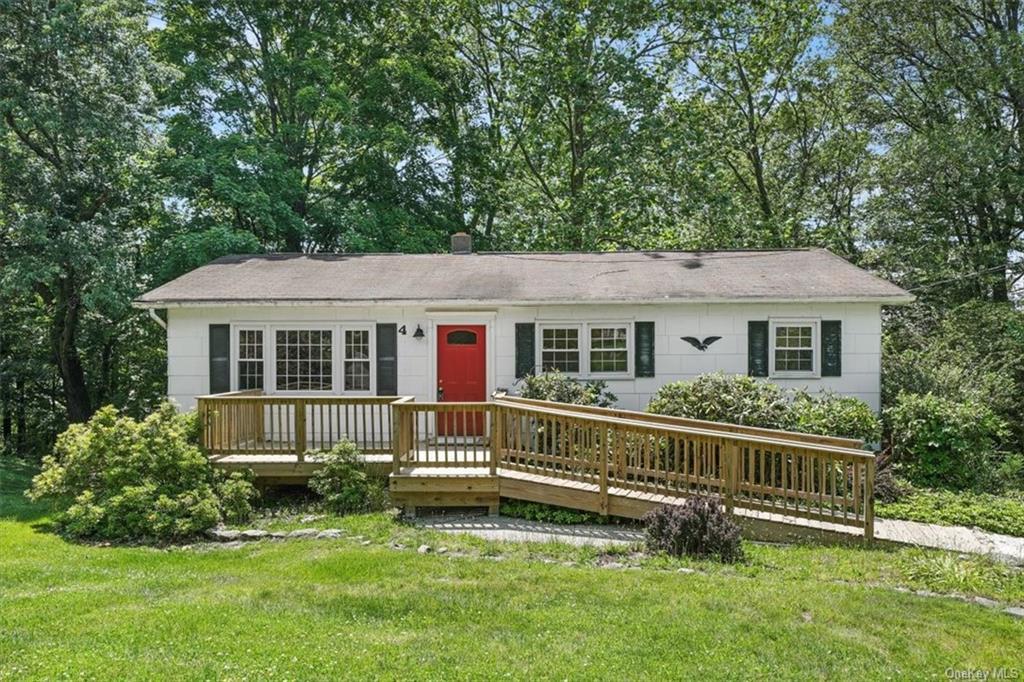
x,y
458,326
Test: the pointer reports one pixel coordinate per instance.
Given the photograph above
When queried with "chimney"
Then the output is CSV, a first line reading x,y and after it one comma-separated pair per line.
x,y
462,243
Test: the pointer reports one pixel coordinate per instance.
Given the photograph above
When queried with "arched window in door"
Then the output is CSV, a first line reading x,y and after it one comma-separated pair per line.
x,y
461,337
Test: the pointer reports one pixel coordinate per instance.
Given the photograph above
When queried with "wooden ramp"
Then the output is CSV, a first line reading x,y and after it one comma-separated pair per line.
x,y
611,462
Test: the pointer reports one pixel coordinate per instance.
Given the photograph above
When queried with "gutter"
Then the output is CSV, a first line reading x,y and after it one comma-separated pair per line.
x,y
462,303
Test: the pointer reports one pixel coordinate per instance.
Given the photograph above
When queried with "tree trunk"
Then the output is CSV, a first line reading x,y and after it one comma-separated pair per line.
x,y
21,423
63,342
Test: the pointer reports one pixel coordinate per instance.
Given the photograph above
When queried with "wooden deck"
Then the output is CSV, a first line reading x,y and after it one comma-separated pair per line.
x,y
610,462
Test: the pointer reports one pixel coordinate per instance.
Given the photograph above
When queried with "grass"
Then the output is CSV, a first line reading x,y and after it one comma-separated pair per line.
x,y
342,609
994,513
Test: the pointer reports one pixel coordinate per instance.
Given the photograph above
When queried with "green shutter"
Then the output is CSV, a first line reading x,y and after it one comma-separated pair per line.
x,y
644,355
831,348
757,348
526,356
220,358
387,359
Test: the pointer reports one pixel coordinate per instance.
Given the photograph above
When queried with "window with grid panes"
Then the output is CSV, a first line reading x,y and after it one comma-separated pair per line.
x,y
357,360
560,349
793,346
303,359
250,359
609,350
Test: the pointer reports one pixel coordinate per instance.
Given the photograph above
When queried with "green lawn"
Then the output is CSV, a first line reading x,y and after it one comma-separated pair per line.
x,y
339,609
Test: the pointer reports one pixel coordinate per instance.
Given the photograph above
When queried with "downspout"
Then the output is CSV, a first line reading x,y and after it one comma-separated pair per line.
x,y
159,320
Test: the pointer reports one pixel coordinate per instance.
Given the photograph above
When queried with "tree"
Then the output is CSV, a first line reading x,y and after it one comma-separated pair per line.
x,y
298,122
574,98
941,83
784,164
76,139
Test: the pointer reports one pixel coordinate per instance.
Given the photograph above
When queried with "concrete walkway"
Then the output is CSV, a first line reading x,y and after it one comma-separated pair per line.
x,y
952,538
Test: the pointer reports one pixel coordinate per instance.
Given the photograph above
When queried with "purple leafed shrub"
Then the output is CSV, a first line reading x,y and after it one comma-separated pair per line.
x,y
700,527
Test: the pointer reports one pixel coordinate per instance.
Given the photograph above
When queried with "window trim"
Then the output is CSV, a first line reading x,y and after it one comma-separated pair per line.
x,y
539,360
628,373
815,324
371,359
583,328
311,327
236,340
337,330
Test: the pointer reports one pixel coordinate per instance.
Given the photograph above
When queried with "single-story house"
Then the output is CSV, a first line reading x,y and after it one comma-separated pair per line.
x,y
461,325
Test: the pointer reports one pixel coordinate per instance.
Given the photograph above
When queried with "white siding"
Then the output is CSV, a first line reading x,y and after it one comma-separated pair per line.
x,y
188,343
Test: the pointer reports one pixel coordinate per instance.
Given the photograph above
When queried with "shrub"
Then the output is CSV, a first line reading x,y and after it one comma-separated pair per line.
x,y
237,495
343,483
117,478
950,357
994,513
559,388
734,399
944,443
700,527
547,513
830,414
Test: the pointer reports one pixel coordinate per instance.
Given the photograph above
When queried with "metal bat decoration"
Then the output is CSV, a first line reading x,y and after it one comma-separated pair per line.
x,y
698,344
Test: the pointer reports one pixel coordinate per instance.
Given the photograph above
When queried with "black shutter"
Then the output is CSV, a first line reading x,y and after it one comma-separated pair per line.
x,y
831,348
387,359
526,356
220,358
757,348
644,356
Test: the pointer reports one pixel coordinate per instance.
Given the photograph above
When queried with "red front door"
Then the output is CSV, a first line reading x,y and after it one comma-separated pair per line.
x,y
461,375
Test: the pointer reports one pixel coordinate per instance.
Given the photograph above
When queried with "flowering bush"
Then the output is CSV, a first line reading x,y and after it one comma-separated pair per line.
x,y
117,478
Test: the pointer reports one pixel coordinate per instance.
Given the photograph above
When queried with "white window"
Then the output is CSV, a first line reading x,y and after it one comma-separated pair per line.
x,y
357,360
250,359
560,349
793,348
303,359
599,349
609,349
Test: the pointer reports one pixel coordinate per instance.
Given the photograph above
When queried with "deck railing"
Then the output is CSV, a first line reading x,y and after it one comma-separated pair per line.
x,y
758,469
453,434
250,423
616,452
782,474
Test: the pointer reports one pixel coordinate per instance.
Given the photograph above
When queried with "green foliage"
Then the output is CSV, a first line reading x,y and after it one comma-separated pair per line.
x,y
236,495
830,414
944,443
737,399
547,513
343,483
973,352
994,513
117,478
560,388
78,192
734,399
936,83
700,527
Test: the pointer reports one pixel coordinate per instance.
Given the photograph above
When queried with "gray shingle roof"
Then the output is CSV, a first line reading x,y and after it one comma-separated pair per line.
x,y
526,278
